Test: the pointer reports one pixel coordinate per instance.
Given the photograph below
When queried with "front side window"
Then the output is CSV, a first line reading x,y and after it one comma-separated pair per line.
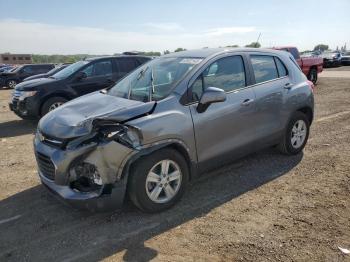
x,y
154,80
264,68
101,68
226,73
28,70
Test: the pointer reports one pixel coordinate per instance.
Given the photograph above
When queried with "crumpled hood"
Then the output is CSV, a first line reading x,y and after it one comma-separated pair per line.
x,y
74,118
31,85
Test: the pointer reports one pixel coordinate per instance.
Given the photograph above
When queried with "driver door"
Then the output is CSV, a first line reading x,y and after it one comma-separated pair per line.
x,y
225,127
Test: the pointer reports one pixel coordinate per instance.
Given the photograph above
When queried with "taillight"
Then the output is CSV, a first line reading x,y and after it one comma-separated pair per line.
x,y
311,85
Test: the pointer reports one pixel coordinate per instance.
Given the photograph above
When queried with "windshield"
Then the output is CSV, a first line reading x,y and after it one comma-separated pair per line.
x,y
54,70
69,70
154,80
16,69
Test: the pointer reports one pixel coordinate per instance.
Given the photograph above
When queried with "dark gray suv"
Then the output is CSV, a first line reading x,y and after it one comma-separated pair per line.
x,y
168,121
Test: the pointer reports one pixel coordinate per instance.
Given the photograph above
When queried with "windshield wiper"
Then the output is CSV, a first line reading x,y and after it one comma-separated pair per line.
x,y
142,73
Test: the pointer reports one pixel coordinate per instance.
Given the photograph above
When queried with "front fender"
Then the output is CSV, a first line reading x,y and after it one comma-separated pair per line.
x,y
124,169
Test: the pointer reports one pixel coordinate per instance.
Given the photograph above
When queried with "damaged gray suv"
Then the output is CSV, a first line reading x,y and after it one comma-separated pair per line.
x,y
169,121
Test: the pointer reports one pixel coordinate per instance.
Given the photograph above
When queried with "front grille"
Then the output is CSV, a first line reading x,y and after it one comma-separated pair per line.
x,y
46,167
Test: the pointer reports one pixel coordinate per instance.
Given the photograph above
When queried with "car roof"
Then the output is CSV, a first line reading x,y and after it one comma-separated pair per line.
x,y
37,65
208,52
283,47
116,56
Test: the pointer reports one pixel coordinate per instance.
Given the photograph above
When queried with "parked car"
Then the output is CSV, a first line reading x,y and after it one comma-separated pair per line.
x,y
12,78
311,66
6,68
46,75
35,98
170,120
345,58
331,58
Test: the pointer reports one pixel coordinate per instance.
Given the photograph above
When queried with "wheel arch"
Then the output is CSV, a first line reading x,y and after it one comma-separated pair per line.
x,y
174,145
308,112
43,100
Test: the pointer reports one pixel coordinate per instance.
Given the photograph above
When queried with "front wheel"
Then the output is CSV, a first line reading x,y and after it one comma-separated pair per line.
x,y
313,75
296,134
158,181
11,84
52,104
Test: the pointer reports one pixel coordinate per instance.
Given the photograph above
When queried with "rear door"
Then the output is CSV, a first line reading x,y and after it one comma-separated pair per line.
x,y
99,76
271,84
227,126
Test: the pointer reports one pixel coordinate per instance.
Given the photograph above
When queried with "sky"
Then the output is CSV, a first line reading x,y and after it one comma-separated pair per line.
x,y
112,26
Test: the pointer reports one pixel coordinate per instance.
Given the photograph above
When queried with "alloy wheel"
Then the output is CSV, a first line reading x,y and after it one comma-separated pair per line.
x,y
55,105
12,84
163,181
298,135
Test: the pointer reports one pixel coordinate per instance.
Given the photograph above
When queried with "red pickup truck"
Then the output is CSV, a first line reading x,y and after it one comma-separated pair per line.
x,y
310,66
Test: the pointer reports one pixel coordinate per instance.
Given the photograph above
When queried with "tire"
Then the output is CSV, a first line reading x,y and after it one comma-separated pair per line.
x,y
313,75
292,147
140,188
51,104
11,83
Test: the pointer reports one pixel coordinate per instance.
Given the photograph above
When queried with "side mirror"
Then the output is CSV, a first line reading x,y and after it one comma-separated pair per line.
x,y
80,75
210,95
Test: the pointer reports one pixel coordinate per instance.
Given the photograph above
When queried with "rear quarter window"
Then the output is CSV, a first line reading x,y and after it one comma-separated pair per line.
x,y
264,68
281,68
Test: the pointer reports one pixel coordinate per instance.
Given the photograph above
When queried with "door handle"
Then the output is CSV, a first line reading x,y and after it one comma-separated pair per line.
x,y
288,86
247,102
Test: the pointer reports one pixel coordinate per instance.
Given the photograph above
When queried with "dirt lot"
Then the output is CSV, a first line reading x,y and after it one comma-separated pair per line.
x,y
263,207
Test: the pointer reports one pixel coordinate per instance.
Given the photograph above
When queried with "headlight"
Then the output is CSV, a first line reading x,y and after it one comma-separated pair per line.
x,y
25,94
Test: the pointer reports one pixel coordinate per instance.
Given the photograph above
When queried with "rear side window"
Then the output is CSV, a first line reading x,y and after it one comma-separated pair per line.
x,y
282,71
143,60
264,68
125,65
226,73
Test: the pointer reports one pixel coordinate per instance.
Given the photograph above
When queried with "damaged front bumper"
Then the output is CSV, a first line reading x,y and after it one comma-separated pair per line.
x,y
87,175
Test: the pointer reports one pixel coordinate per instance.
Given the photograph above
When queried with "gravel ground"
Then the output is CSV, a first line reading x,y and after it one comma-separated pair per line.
x,y
261,208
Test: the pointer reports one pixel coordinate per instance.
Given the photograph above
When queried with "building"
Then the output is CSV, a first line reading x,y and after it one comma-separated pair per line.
x,y
15,59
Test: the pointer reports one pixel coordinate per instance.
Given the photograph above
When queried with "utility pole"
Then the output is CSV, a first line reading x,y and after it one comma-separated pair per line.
x,y
257,41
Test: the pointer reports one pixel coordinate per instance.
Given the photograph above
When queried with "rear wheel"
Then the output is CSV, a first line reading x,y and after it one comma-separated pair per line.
x,y
11,84
52,104
313,75
158,181
296,134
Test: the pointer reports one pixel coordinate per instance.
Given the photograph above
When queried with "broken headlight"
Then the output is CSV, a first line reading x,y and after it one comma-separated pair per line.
x,y
126,135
